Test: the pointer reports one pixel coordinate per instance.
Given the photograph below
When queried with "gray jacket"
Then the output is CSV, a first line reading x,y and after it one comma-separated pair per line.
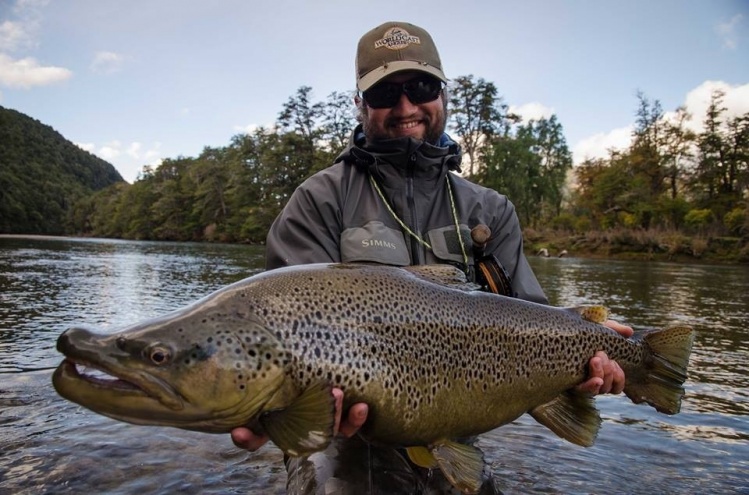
x,y
337,216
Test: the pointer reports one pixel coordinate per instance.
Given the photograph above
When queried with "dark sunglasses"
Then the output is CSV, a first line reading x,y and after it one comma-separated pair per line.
x,y
418,90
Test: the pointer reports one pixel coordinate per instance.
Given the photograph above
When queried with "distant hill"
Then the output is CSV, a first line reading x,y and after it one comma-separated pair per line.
x,y
42,175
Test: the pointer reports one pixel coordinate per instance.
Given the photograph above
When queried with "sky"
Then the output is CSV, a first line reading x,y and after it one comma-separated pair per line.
x,y
138,81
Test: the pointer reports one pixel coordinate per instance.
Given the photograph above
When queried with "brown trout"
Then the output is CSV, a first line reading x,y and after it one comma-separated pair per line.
x,y
435,359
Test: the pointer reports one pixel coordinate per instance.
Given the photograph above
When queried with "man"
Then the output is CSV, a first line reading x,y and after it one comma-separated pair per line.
x,y
390,198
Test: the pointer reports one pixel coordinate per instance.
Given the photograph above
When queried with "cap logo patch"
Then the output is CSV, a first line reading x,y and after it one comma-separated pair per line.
x,y
397,39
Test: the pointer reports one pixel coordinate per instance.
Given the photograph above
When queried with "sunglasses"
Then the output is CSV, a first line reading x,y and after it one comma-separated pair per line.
x,y
418,90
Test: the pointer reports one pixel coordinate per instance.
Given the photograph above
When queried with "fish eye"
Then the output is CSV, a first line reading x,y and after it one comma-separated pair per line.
x,y
159,355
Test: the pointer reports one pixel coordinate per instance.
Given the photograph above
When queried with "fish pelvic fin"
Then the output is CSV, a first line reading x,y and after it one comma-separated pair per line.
x,y
659,382
595,314
306,425
462,464
573,416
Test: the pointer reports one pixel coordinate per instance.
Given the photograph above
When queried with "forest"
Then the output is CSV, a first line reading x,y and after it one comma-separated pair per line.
x,y
673,193
42,175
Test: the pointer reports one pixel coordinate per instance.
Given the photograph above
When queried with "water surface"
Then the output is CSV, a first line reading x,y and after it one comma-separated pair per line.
x,y
49,445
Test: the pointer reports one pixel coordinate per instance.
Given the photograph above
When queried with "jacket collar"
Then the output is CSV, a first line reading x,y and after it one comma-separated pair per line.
x,y
430,158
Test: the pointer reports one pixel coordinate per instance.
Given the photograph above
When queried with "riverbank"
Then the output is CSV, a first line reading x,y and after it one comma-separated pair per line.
x,y
638,245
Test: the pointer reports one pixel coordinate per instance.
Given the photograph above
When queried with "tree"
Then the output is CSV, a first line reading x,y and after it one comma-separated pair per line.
x,y
476,114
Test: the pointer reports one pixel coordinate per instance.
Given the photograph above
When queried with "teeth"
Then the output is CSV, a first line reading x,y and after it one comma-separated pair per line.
x,y
408,125
93,373
102,379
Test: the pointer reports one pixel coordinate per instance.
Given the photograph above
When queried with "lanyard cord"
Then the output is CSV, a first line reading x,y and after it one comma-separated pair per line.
x,y
411,232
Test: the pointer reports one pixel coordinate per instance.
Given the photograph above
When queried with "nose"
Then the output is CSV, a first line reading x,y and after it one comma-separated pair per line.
x,y
404,106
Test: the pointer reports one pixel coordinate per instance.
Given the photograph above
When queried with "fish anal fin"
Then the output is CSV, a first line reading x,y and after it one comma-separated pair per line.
x,y
306,425
596,314
462,465
421,456
572,416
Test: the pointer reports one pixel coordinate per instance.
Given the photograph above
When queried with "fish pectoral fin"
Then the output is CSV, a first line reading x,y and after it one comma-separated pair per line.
x,y
596,314
421,456
573,416
306,425
462,465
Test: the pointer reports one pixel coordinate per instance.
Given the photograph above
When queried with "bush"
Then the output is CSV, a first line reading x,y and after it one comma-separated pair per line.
x,y
736,220
698,218
582,225
699,246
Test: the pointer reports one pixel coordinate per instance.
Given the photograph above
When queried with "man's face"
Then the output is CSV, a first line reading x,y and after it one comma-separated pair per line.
x,y
406,119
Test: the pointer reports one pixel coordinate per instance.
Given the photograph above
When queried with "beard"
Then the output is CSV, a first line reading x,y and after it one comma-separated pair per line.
x,y
434,125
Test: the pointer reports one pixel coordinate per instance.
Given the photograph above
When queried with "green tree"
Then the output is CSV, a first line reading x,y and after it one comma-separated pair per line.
x,y
477,115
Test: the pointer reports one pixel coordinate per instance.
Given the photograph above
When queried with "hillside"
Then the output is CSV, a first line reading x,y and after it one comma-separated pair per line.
x,y
42,175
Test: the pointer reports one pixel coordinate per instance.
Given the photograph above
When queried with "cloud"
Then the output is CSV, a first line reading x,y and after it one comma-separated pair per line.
x,y
107,62
599,145
696,102
735,101
21,34
247,129
26,72
12,36
728,31
532,111
128,158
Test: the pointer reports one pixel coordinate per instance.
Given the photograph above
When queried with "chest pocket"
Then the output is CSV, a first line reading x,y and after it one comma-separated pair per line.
x,y
446,244
374,242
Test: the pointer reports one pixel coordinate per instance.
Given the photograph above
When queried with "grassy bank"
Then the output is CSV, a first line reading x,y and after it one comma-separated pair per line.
x,y
646,245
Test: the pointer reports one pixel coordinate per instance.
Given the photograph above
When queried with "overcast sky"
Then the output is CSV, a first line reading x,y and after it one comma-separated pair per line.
x,y
136,81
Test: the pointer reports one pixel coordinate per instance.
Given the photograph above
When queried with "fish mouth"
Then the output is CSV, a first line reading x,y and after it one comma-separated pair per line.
x,y
97,376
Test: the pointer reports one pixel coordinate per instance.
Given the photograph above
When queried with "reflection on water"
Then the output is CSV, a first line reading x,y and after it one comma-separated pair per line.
x,y
49,445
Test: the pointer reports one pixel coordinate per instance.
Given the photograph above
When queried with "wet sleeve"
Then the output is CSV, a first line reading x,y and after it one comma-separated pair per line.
x,y
507,246
308,228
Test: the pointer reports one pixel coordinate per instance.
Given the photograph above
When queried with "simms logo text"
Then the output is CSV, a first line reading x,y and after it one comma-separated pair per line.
x,y
377,243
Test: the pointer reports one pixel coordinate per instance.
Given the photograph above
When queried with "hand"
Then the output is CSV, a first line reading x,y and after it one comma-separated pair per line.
x,y
245,438
605,376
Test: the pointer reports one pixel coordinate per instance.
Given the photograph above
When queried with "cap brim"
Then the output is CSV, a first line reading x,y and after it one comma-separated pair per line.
x,y
373,77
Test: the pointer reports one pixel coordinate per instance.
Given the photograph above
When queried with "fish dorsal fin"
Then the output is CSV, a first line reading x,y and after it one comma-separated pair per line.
x,y
443,274
306,425
462,465
573,416
596,314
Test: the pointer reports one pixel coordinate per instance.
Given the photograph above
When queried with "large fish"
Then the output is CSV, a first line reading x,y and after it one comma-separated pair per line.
x,y
435,360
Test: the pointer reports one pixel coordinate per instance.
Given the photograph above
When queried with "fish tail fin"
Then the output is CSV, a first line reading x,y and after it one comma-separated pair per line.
x,y
660,380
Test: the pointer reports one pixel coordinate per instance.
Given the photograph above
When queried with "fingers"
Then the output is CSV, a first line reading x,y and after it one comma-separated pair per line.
x,y
605,376
244,438
357,415
623,330
338,394
355,418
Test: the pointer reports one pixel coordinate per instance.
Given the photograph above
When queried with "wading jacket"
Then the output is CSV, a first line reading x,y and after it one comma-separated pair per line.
x,y
338,216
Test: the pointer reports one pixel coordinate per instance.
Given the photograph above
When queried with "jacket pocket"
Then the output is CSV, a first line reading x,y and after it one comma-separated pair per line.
x,y
374,242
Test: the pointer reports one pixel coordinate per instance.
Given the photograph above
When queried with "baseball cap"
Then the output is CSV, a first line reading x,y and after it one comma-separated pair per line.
x,y
394,47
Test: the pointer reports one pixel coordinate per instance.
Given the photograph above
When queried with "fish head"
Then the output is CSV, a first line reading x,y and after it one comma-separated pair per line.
x,y
203,369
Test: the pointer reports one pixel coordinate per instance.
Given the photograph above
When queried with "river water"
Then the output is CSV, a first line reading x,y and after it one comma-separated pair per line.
x,y
48,445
